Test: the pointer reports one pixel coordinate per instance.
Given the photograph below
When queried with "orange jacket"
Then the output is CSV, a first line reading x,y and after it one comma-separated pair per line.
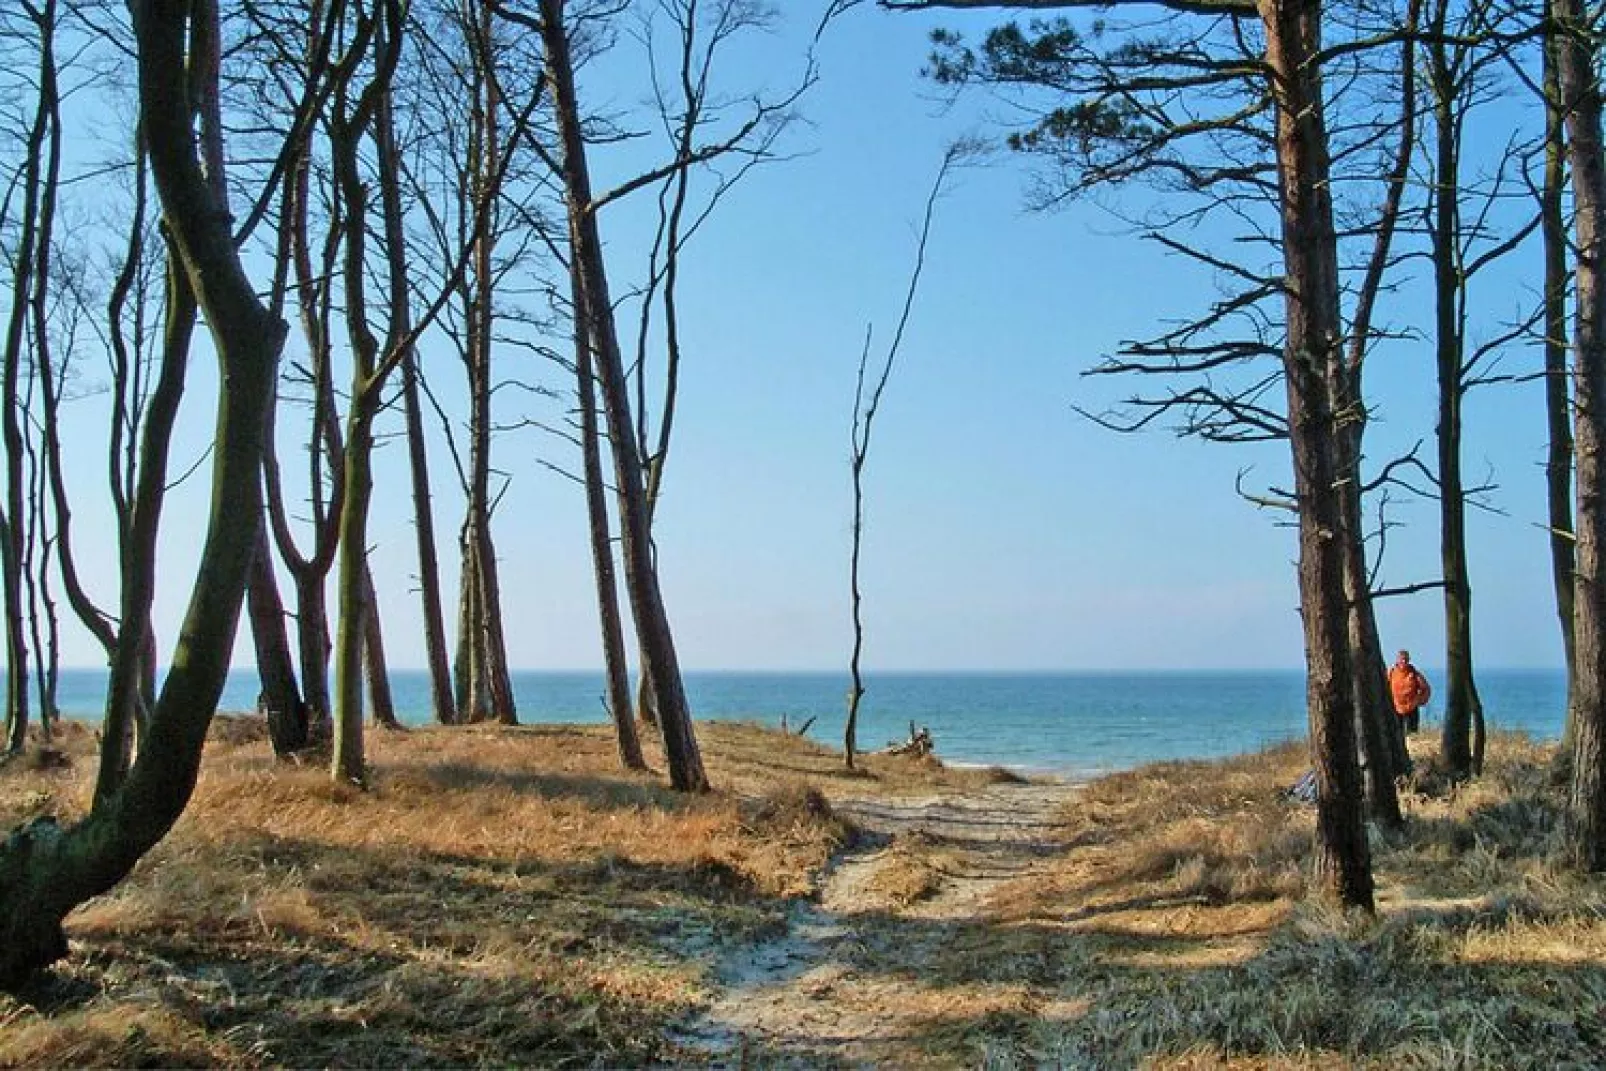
x,y
1409,688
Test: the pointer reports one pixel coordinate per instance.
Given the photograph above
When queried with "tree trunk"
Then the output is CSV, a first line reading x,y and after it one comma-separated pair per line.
x,y
380,701
1382,744
280,700
348,125
1558,399
481,643
1313,369
1581,98
45,871
473,696
133,658
314,647
310,572
429,579
1463,712
613,640
348,763
659,662
30,243
498,674
850,732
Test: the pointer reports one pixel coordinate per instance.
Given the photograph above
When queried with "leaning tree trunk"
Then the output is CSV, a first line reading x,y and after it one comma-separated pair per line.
x,y
613,639
1313,369
659,661
1581,101
45,870
429,577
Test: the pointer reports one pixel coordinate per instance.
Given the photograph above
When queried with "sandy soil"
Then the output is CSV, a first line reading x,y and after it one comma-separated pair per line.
x,y
842,986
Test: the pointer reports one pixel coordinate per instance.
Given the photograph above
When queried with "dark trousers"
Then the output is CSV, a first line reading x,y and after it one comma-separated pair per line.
x,y
1412,721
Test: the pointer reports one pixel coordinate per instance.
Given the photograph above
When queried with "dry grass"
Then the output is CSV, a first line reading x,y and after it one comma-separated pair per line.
x,y
1174,931
508,897
1179,930
500,896
909,871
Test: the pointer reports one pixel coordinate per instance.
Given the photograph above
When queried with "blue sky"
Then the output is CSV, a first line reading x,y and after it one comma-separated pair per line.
x,y
1004,531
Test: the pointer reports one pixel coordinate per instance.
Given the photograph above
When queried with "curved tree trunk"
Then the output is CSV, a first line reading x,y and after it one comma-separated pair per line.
x,y
133,660
45,870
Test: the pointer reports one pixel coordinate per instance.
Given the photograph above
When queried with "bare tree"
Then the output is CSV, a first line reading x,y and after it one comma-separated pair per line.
x,y
865,408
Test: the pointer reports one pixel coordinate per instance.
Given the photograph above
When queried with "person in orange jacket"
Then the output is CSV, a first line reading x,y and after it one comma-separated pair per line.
x,y
1410,690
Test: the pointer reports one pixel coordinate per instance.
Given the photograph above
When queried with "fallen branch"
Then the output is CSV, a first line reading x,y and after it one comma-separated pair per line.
x,y
919,744
799,731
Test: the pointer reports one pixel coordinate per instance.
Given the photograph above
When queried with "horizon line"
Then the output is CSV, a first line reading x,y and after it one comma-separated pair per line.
x,y
911,670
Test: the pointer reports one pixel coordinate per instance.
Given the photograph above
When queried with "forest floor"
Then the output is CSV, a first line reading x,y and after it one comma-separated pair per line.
x,y
508,897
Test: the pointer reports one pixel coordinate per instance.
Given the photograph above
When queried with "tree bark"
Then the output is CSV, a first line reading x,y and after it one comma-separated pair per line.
x,y
1581,99
1313,370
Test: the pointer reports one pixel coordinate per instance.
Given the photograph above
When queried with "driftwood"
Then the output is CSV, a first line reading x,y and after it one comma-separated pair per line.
x,y
918,745
799,731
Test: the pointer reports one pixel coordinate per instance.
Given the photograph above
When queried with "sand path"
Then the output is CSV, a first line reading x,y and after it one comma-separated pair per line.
x,y
844,984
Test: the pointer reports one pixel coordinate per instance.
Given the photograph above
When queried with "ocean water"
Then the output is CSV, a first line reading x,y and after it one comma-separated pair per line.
x,y
1072,724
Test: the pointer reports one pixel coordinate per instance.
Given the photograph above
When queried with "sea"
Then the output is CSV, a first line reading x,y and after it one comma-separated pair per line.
x,y
1073,725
